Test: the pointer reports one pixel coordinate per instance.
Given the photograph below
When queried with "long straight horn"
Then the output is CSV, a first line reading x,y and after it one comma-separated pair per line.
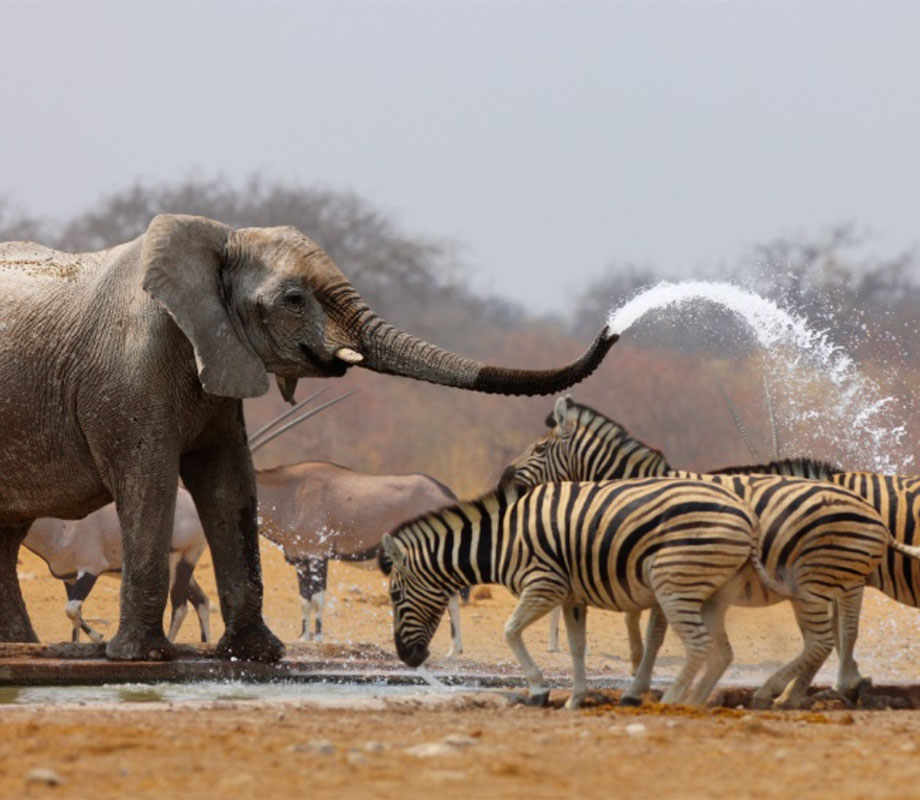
x,y
310,413
774,432
286,414
744,434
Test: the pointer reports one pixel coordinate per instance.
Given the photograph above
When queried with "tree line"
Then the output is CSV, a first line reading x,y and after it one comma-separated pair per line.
x,y
677,386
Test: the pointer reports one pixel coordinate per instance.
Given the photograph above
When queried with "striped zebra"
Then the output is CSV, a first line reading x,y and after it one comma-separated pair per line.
x,y
897,499
586,445
677,545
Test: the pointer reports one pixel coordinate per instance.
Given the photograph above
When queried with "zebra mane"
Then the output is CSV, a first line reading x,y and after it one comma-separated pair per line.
x,y
616,430
800,467
503,493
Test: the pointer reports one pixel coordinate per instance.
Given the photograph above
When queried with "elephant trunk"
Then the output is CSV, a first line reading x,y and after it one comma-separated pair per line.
x,y
387,349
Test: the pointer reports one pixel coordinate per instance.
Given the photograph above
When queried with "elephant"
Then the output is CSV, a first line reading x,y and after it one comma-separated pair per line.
x,y
125,369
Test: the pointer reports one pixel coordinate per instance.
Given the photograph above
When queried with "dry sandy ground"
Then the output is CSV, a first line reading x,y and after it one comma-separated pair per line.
x,y
461,747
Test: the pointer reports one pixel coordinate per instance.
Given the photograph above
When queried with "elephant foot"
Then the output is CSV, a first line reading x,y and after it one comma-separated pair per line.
x,y
255,643
133,647
15,626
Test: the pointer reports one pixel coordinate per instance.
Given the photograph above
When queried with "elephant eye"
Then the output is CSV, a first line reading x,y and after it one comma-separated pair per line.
x,y
295,299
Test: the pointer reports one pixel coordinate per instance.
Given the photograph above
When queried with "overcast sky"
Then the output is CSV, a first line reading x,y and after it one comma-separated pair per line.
x,y
549,139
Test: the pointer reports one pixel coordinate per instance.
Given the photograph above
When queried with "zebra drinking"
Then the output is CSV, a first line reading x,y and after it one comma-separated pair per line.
x,y
618,545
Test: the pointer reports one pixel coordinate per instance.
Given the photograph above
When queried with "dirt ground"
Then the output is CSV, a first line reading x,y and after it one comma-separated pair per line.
x,y
463,746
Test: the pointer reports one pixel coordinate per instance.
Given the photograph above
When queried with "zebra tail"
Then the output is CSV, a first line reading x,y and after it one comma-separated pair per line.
x,y
773,585
911,551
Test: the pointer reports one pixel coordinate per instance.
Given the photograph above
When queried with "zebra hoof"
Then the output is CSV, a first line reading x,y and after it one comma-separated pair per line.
x,y
629,700
540,700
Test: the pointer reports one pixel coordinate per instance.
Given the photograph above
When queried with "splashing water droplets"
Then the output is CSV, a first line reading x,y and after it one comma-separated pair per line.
x,y
826,407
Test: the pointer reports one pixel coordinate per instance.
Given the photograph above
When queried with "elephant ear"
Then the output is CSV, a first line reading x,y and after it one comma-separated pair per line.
x,y
182,263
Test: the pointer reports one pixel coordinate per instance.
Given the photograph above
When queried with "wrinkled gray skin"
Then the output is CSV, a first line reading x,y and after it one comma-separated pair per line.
x,y
122,370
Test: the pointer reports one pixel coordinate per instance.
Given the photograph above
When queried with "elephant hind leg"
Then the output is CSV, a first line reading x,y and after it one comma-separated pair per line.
x,y
15,625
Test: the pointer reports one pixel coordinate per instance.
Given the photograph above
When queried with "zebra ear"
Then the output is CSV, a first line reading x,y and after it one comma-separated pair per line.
x,y
561,409
391,553
566,415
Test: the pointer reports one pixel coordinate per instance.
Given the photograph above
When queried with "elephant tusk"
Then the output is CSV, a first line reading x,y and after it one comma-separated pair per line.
x,y
349,356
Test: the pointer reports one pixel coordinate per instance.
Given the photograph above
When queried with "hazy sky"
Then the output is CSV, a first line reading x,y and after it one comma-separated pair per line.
x,y
550,139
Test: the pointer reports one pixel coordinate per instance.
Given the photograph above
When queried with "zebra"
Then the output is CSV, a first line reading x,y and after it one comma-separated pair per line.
x,y
897,499
621,545
586,445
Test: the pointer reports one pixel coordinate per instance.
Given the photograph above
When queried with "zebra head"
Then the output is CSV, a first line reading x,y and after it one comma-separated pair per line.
x,y
419,602
584,445
548,459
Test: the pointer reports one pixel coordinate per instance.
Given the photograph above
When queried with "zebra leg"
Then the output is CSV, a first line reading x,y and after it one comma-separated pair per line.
x,y
77,592
684,615
453,613
845,620
532,604
790,682
202,608
554,629
634,632
575,619
720,656
178,596
654,637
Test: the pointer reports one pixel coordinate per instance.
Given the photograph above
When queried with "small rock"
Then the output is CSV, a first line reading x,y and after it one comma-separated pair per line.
x,y
322,747
671,723
636,729
374,746
459,740
355,589
45,776
431,750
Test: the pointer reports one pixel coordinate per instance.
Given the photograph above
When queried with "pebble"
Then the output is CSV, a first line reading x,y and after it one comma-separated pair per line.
x,y
431,750
636,729
374,746
459,740
44,775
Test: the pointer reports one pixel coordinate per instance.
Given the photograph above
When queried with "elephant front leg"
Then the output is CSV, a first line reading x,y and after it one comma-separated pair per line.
x,y
15,625
146,503
222,484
